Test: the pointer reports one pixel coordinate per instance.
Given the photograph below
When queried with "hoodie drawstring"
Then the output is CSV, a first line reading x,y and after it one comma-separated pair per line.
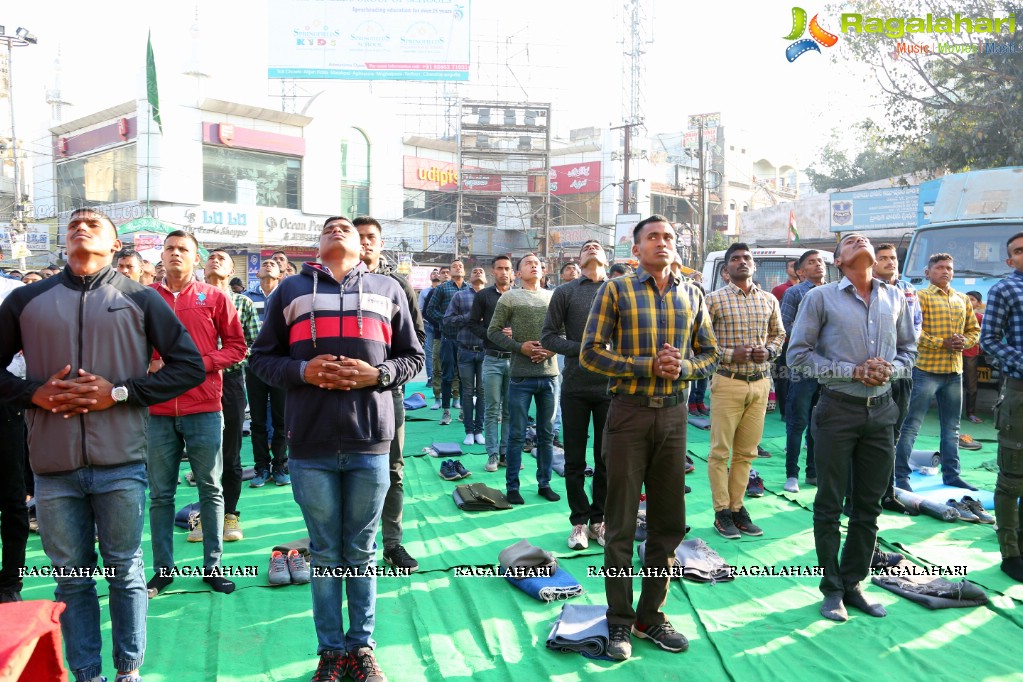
x,y
312,310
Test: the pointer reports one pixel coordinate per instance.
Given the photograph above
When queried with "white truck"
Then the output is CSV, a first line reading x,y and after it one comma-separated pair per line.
x,y
771,264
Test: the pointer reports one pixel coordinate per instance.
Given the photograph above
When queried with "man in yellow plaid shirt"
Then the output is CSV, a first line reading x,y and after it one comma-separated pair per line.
x,y
949,328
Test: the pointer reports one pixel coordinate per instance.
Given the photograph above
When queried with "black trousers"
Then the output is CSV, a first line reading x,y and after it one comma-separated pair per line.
x,y
1009,485
860,457
234,416
13,514
576,412
259,394
643,446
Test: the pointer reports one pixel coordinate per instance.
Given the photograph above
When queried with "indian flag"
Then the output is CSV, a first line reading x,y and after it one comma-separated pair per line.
x,y
793,232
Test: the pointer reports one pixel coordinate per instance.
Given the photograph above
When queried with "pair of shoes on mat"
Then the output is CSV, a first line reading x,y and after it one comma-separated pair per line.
x,y
288,569
971,510
966,442
662,634
733,525
450,470
360,665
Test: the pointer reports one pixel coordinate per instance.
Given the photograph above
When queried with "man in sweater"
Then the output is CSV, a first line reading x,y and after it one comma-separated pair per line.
x,y
584,395
533,370
340,339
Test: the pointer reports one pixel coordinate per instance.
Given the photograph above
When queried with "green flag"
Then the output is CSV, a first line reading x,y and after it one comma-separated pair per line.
x,y
152,94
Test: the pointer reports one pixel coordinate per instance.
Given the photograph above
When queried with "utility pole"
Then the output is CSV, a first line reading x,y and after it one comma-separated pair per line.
x,y
626,182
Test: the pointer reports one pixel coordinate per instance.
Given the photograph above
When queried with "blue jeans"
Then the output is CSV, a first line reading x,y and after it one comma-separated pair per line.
x,y
341,498
698,391
495,401
800,398
557,394
947,389
168,437
470,374
521,390
428,349
71,508
448,367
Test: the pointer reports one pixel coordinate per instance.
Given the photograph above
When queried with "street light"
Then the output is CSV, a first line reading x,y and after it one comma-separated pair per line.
x,y
21,38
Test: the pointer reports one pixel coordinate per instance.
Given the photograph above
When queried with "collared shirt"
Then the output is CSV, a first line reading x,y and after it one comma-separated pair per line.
x,y
1002,333
741,318
438,305
631,320
945,314
790,303
836,330
457,317
259,300
250,324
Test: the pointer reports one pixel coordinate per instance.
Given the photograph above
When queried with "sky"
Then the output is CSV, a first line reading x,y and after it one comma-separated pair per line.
x,y
723,57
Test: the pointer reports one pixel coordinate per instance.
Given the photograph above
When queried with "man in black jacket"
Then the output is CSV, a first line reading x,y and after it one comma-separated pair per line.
x,y
87,335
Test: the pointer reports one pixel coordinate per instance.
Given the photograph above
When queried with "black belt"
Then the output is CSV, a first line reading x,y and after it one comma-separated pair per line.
x,y
743,377
470,349
503,354
873,401
655,401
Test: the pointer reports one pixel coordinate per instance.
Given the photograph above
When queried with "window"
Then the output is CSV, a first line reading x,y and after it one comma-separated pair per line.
x,y
575,209
355,173
425,205
233,176
672,207
107,177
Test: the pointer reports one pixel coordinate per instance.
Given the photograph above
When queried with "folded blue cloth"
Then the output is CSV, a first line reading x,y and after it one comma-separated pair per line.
x,y
416,401
581,628
561,585
181,517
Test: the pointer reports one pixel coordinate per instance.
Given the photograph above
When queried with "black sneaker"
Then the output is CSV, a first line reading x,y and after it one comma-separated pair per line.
x,y
663,635
964,512
743,522
724,525
331,668
977,509
362,666
881,559
558,443
400,558
619,644
502,461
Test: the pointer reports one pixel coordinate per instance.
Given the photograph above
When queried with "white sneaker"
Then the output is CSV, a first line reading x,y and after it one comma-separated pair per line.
x,y
469,440
597,532
792,485
480,440
436,404
492,463
578,539
445,418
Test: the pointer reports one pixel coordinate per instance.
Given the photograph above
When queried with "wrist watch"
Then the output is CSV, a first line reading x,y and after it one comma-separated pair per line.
x,y
385,376
119,394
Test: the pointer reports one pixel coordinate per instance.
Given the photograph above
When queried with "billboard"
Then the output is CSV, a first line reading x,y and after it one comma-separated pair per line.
x,y
422,40
571,178
438,176
874,209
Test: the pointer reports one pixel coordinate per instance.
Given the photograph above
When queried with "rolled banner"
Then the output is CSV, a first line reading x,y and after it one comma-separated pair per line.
x,y
938,510
924,461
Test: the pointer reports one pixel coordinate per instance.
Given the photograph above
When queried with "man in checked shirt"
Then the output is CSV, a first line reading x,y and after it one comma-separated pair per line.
x,y
950,326
747,324
650,332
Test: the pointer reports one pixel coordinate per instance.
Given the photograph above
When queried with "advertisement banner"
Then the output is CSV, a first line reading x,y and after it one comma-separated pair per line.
x,y
252,263
575,178
440,176
624,222
422,40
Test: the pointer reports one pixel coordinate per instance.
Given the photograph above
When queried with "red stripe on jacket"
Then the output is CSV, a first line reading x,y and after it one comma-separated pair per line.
x,y
373,329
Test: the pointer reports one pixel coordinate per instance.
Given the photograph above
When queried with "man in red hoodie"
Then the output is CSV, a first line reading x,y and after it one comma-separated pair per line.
x,y
194,419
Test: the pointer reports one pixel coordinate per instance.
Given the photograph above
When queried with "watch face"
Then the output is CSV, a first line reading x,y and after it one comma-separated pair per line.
x,y
119,394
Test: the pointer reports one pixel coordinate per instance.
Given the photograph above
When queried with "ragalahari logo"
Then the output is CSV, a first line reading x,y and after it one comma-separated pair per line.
x,y
817,35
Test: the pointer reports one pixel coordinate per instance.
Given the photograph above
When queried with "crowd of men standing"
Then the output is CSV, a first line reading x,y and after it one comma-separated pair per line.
x,y
167,367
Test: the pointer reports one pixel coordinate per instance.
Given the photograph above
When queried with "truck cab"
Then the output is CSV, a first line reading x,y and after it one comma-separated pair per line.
x,y
771,264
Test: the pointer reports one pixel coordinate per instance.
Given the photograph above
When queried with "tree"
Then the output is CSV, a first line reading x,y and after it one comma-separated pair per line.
x,y
959,101
875,158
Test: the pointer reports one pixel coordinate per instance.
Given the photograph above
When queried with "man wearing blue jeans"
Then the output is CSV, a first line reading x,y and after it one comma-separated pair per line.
x,y
470,356
434,312
495,364
532,373
194,420
949,327
339,365
90,471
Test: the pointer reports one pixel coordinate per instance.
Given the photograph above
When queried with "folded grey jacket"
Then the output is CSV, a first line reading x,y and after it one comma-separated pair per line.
x,y
525,555
929,591
699,562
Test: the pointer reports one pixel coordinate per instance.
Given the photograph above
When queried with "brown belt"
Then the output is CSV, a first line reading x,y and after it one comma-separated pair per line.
x,y
743,377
